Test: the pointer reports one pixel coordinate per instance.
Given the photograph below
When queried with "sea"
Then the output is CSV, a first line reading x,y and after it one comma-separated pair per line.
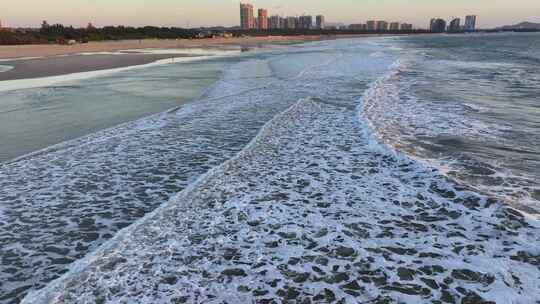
x,y
377,156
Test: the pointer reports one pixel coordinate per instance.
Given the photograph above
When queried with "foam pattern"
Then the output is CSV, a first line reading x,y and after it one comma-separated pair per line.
x,y
314,210
58,204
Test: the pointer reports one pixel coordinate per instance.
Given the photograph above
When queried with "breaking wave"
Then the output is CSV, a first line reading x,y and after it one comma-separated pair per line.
x,y
313,209
424,129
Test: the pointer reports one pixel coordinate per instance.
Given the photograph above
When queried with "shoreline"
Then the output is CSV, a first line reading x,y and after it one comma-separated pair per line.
x,y
37,61
49,50
72,64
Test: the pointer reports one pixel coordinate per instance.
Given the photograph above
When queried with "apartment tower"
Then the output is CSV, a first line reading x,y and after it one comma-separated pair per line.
x,y
320,22
470,23
247,19
263,19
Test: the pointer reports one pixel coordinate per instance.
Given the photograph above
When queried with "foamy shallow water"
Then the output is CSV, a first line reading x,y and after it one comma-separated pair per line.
x,y
314,208
63,202
284,221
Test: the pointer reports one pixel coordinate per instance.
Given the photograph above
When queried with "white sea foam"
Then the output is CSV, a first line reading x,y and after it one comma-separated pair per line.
x,y
19,59
5,68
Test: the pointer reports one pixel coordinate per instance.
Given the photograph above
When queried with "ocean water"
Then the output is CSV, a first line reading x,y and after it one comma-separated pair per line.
x,y
62,202
315,208
5,68
470,106
280,182
69,109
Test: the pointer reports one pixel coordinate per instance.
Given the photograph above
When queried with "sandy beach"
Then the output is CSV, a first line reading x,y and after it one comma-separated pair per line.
x,y
47,50
54,59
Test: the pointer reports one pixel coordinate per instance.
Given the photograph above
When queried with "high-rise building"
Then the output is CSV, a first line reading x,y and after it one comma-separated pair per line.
x,y
406,27
455,25
305,22
291,23
282,23
382,26
274,22
470,23
247,19
320,22
263,19
371,26
394,26
437,25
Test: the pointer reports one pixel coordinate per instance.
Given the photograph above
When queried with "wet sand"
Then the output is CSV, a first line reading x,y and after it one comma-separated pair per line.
x,y
47,50
54,60
53,66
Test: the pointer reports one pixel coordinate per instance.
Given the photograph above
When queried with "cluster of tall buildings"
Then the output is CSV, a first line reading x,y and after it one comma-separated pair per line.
x,y
248,20
381,26
438,25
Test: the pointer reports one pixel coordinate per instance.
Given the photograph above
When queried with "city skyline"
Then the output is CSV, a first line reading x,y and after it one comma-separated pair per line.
x,y
209,13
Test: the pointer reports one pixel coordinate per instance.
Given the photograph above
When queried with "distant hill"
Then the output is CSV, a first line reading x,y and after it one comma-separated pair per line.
x,y
522,26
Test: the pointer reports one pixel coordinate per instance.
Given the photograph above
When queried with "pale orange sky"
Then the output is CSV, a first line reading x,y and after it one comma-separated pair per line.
x,y
225,12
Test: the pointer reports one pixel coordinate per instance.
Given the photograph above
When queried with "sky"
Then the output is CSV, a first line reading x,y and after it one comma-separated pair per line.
x,y
194,13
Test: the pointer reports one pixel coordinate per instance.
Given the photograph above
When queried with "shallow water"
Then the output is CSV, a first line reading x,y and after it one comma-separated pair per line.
x,y
315,210
61,203
33,119
322,169
5,68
